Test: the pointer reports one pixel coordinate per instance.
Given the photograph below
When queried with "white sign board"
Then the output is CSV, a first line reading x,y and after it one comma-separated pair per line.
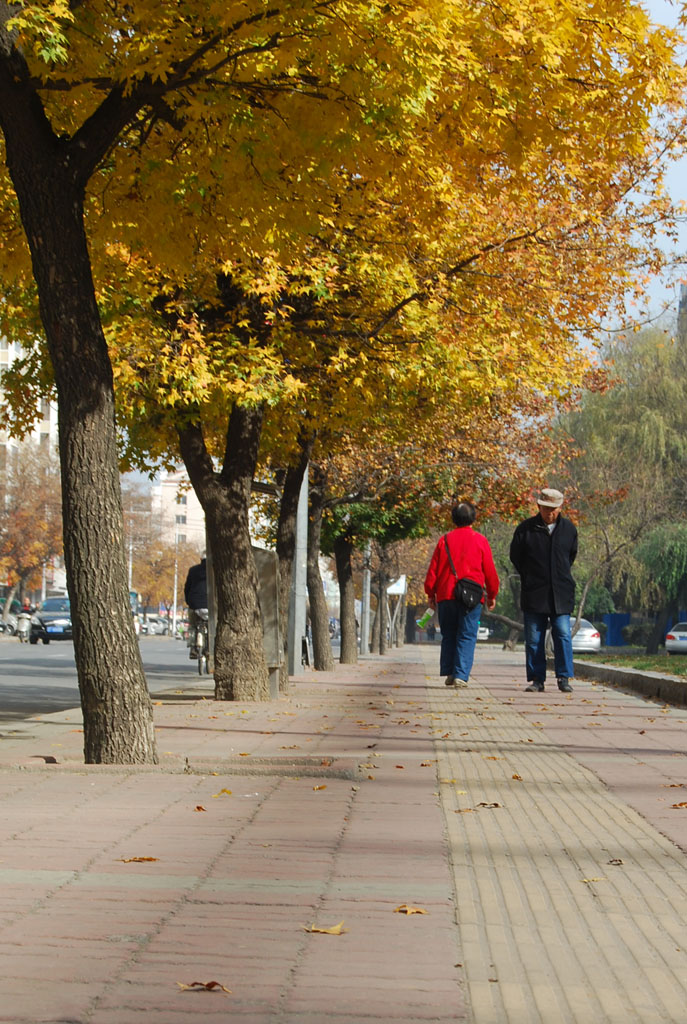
x,y
398,586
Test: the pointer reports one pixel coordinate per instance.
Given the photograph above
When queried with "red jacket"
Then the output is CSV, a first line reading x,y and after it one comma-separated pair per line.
x,y
471,556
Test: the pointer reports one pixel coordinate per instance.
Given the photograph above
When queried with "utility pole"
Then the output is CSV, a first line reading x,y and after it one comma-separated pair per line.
x,y
365,603
297,618
176,581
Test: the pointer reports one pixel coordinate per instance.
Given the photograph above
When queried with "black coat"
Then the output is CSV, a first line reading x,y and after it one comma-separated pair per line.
x,y
196,586
543,561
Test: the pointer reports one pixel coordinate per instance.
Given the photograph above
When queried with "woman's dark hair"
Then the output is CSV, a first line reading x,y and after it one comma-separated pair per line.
x,y
464,513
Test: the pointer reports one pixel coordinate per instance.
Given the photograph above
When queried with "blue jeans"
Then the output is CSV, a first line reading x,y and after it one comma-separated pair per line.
x,y
458,627
536,624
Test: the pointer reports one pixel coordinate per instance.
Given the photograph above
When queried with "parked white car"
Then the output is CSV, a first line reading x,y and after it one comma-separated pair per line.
x,y
483,632
587,637
155,625
676,638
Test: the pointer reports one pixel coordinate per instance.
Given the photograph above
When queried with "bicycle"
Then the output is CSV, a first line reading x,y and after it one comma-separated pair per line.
x,y
202,644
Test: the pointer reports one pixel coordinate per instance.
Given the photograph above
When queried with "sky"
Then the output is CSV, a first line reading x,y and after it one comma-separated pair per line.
x,y
666,291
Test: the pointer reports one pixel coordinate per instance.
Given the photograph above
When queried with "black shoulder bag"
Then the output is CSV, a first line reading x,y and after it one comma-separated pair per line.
x,y
467,591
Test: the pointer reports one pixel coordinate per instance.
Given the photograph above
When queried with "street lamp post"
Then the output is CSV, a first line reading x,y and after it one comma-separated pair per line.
x,y
176,581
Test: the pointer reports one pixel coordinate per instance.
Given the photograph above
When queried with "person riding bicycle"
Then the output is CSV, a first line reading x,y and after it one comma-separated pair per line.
x,y
196,597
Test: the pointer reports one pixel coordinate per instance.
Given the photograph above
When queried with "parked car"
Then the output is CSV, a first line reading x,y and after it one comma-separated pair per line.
x,y
9,625
51,621
155,625
676,639
587,637
483,632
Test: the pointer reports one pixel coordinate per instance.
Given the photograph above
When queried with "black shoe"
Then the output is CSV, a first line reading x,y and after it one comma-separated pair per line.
x,y
565,686
449,681
535,687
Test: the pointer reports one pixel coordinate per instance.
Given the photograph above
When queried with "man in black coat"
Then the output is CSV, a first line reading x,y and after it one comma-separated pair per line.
x,y
196,586
196,596
543,550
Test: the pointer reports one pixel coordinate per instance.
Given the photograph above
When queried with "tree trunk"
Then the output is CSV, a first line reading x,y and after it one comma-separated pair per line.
x,y
400,618
8,602
511,640
319,612
286,548
659,630
49,178
240,666
343,550
376,620
382,611
516,628
410,627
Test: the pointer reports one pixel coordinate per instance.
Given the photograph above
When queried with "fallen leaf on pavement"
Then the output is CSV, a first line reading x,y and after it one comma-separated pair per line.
x,y
485,804
319,787
203,986
518,778
199,808
222,792
677,806
616,861
602,879
336,929
405,909
244,755
137,860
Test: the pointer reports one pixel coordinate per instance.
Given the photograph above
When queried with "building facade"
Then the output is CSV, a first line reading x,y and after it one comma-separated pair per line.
x,y
176,510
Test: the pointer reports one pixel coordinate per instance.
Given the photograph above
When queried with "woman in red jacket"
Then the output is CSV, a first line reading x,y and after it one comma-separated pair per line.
x,y
472,558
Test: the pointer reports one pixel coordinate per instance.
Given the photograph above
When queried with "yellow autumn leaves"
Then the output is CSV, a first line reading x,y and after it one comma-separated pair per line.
x,y
424,202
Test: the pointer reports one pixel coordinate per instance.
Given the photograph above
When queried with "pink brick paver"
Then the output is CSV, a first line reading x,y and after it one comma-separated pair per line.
x,y
538,836
303,837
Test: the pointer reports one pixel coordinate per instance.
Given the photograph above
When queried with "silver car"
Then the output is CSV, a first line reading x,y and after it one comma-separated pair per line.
x,y
587,637
676,638
155,625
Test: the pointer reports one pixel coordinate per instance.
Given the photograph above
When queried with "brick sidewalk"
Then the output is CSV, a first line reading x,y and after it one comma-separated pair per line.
x,y
529,832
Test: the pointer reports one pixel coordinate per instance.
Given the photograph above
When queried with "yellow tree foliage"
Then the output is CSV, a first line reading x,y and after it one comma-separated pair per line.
x,y
30,515
472,159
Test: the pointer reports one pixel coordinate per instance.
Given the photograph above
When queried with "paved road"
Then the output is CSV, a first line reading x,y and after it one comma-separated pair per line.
x,y
41,679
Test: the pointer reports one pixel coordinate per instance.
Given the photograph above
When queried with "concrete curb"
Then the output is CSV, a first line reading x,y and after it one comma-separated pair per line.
x,y
671,689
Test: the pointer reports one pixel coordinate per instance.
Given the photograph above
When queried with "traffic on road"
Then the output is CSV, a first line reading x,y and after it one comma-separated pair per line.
x,y
41,679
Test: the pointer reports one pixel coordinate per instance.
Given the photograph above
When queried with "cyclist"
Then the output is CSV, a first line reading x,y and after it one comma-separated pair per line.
x,y
196,597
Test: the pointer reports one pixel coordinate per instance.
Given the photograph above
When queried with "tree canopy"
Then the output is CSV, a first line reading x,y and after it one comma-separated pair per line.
x,y
475,180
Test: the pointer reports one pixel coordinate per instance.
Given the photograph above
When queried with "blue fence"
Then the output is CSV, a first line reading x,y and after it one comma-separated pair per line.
x,y
614,623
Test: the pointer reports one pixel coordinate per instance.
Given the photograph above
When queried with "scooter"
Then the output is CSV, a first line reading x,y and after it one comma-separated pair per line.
x,y
23,630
